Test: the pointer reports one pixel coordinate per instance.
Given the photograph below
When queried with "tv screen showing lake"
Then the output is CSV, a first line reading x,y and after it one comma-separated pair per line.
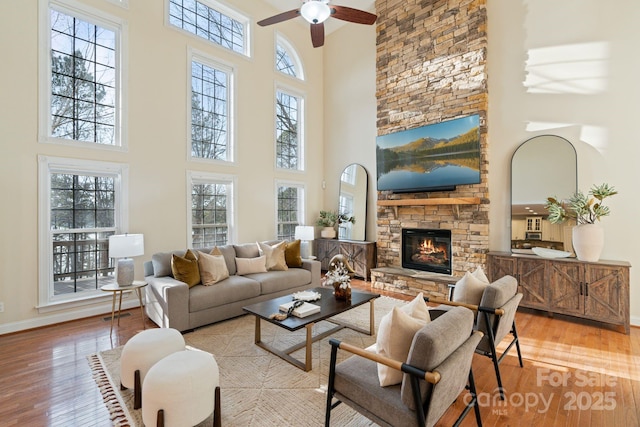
x,y
436,156
445,176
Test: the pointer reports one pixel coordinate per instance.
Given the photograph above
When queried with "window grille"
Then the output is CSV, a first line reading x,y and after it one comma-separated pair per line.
x,y
208,23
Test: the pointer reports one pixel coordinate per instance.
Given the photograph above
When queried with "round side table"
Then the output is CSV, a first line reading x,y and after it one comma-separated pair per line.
x,y
114,288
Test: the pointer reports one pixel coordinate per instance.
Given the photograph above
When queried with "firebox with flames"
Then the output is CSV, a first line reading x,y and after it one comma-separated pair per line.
x,y
430,252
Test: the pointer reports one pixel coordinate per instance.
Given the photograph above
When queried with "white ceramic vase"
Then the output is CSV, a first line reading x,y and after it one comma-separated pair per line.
x,y
588,241
328,233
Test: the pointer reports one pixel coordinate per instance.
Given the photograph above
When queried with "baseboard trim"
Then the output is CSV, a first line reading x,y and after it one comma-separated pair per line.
x,y
38,322
635,321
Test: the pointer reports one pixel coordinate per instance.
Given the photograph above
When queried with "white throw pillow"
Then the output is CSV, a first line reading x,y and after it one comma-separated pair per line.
x,y
395,335
417,309
275,259
469,289
478,273
250,265
213,268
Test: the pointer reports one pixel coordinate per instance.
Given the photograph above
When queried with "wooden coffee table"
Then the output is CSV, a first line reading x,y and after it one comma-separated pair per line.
x,y
329,307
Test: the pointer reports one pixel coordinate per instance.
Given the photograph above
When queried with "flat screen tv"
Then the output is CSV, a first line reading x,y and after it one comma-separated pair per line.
x,y
435,157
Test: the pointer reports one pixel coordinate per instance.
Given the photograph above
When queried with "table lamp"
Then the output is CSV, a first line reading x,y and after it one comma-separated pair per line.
x,y
305,233
123,247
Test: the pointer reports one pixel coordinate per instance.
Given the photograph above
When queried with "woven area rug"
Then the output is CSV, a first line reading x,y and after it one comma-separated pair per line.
x,y
258,388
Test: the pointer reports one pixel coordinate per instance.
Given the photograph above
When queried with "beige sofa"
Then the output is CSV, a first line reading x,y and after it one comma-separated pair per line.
x,y
171,303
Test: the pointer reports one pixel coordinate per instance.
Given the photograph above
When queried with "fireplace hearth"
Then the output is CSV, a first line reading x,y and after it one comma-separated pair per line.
x,y
426,250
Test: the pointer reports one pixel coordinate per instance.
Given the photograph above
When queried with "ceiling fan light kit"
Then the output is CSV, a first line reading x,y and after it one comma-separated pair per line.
x,y
316,12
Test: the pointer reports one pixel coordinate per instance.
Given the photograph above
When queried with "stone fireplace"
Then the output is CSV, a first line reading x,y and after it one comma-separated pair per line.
x,y
431,67
426,250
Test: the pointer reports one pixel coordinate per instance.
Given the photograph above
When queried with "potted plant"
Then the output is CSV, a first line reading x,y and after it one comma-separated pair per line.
x,y
586,210
329,220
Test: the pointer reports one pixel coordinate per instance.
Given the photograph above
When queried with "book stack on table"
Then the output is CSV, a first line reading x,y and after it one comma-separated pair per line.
x,y
306,309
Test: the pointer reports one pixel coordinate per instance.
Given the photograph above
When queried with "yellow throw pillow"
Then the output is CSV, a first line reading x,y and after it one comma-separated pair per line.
x,y
185,268
250,265
292,254
212,268
275,259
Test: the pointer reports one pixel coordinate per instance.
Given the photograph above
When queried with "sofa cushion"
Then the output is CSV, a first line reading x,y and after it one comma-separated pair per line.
x,y
229,254
161,263
230,290
275,281
292,254
213,268
274,254
185,268
250,265
247,250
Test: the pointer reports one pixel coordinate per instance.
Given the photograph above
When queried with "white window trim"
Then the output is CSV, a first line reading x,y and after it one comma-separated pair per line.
x,y
225,9
302,202
46,166
293,54
197,177
97,17
231,70
279,87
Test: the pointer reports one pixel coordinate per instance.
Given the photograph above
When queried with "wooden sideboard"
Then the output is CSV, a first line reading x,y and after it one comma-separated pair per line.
x,y
361,255
590,290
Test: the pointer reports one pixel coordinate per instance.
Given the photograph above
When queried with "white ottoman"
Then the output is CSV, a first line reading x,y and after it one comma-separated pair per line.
x,y
141,352
182,390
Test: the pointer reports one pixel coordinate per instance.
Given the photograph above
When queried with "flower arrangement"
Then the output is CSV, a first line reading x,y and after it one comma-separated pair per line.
x,y
338,277
585,209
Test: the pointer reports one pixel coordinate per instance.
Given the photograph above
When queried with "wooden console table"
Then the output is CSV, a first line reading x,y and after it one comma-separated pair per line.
x,y
361,255
589,290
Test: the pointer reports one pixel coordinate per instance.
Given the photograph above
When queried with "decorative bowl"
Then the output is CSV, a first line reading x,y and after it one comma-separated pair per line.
x,y
550,253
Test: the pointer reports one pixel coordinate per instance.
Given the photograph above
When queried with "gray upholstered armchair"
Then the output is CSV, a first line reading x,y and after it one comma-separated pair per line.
x,y
437,370
495,318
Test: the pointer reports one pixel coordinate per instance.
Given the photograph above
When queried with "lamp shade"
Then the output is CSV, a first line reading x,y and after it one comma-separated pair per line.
x,y
305,232
126,245
315,11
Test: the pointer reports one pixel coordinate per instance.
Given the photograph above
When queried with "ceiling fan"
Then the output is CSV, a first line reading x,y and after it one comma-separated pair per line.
x,y
316,12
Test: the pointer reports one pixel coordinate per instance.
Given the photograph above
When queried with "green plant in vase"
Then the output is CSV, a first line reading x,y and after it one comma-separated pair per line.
x,y
586,210
329,220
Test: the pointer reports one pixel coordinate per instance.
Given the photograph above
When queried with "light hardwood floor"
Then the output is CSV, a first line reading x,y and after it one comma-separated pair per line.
x,y
575,374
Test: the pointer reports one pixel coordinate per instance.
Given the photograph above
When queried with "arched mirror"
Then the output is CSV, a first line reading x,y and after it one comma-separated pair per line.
x,y
353,202
541,167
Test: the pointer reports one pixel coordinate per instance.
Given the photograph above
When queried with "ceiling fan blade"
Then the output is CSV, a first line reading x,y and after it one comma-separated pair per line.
x,y
352,15
284,16
317,34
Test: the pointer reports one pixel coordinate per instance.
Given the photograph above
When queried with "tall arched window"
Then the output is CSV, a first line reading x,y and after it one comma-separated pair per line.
x,y
287,60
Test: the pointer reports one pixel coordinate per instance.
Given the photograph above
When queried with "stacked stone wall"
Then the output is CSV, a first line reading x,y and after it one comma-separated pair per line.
x,y
431,67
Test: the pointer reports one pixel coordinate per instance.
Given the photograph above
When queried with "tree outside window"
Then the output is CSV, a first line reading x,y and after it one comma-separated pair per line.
x,y
83,80
209,112
209,212
290,202
288,114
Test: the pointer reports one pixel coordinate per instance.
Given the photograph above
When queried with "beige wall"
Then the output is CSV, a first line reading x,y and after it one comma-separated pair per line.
x,y
157,155
350,112
600,122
